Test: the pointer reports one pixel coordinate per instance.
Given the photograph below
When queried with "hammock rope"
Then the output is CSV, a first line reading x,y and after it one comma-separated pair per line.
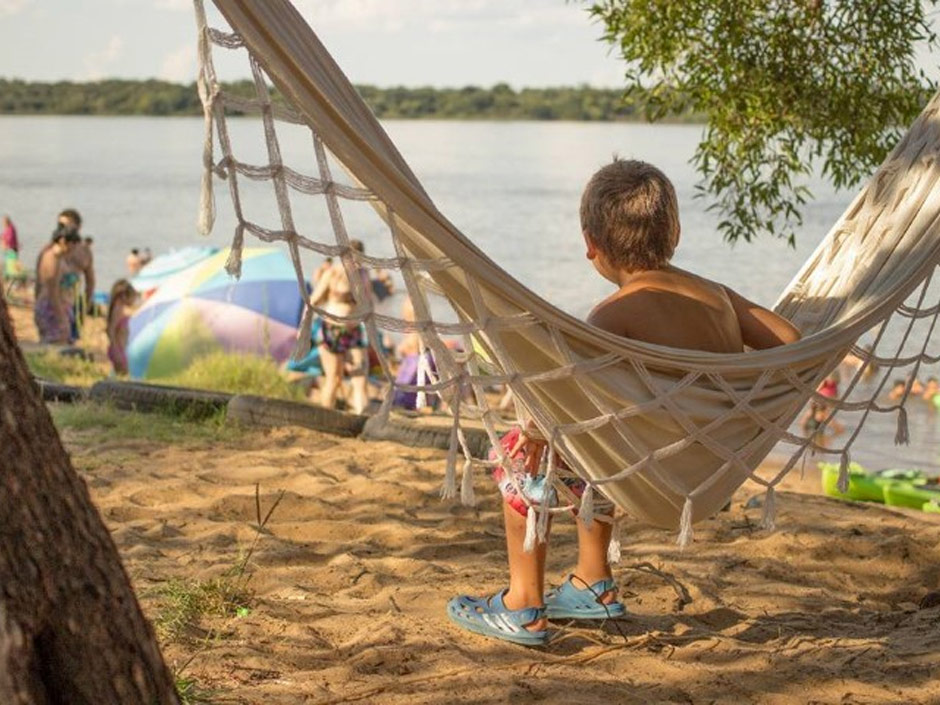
x,y
668,435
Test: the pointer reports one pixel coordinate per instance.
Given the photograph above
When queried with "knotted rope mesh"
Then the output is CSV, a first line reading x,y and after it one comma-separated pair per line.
x,y
667,435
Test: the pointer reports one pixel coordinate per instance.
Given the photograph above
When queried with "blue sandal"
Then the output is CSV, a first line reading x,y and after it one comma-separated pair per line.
x,y
569,602
489,616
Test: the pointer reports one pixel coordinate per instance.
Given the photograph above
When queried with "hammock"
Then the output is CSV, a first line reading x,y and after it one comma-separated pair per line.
x,y
668,435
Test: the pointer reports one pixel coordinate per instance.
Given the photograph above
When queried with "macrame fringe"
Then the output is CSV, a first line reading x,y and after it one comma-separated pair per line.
x,y
586,513
685,524
302,346
206,218
902,435
543,518
449,490
843,483
466,485
233,265
770,509
613,548
530,533
424,369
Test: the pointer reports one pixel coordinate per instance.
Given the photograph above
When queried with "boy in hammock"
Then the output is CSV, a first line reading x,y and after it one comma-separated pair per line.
x,y
630,223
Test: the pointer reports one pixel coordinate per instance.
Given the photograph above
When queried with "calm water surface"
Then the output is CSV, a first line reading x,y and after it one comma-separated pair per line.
x,y
512,188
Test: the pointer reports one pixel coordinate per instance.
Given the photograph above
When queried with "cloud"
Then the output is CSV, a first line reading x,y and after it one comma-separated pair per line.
x,y
438,15
179,66
97,63
12,7
172,5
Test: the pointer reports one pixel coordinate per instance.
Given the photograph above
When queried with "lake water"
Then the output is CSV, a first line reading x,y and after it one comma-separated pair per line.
x,y
512,188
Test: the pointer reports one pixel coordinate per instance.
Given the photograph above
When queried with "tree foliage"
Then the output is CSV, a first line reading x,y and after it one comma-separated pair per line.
x,y
785,87
501,102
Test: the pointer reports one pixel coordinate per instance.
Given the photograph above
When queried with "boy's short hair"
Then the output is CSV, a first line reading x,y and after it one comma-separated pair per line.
x,y
630,211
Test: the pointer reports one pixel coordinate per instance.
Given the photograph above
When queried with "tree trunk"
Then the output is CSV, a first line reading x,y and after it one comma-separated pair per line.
x,y
71,630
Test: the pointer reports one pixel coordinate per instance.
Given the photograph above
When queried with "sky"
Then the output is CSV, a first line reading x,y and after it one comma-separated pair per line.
x,y
441,43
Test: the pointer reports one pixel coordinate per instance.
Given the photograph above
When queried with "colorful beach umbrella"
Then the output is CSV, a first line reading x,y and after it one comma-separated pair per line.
x,y
202,309
165,266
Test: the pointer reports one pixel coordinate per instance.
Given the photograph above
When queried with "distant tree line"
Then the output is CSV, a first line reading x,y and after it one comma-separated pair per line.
x,y
153,97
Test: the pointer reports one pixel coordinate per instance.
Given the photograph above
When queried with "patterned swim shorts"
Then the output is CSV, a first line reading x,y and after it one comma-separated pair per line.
x,y
339,337
534,486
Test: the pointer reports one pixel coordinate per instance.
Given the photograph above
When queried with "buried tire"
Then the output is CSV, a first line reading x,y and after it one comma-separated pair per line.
x,y
138,396
261,411
418,435
56,391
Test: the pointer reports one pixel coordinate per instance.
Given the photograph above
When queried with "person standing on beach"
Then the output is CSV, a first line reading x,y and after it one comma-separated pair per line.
x,y
120,308
133,262
10,245
630,224
341,342
8,239
51,308
80,269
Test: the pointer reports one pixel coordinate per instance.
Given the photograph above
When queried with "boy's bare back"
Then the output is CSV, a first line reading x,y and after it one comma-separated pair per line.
x,y
679,309
630,223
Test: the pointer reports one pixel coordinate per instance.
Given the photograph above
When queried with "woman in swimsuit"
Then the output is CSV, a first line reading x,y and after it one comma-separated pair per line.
x,y
120,308
51,309
338,341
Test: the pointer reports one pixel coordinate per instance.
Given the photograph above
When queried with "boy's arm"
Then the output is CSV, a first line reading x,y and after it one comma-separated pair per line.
x,y
760,327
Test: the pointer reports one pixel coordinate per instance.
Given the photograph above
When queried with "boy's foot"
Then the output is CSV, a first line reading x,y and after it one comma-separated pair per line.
x,y
597,601
489,616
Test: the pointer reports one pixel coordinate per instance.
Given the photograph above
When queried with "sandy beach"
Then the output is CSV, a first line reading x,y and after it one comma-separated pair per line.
x,y
351,572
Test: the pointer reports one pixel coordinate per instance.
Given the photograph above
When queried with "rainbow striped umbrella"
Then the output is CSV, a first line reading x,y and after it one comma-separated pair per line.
x,y
166,266
202,309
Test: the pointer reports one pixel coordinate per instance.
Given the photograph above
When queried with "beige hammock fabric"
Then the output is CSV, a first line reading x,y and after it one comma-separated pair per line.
x,y
667,434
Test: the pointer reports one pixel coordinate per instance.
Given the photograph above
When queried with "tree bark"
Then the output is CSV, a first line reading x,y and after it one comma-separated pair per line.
x,y
71,629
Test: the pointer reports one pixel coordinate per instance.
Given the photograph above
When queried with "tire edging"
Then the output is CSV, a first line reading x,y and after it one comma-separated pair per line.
x,y
263,411
60,392
140,396
418,436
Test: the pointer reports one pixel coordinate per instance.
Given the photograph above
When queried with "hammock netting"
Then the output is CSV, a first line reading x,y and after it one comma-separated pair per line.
x,y
668,435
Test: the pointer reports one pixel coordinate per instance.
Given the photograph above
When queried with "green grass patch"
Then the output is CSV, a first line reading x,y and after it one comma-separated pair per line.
x,y
117,424
66,369
235,374
190,692
184,603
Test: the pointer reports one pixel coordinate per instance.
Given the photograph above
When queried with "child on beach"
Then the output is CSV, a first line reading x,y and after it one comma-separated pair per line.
x,y
630,224
120,307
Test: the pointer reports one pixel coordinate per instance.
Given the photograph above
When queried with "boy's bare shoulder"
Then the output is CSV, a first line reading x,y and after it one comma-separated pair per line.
x,y
615,312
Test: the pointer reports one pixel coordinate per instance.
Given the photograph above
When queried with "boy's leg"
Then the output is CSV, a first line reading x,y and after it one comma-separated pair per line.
x,y
526,569
593,565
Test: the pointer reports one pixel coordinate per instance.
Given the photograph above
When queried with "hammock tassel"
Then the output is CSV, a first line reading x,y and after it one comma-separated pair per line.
x,y
685,524
424,369
302,347
843,483
449,490
902,436
206,218
549,470
586,513
528,545
233,265
770,509
613,548
466,485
